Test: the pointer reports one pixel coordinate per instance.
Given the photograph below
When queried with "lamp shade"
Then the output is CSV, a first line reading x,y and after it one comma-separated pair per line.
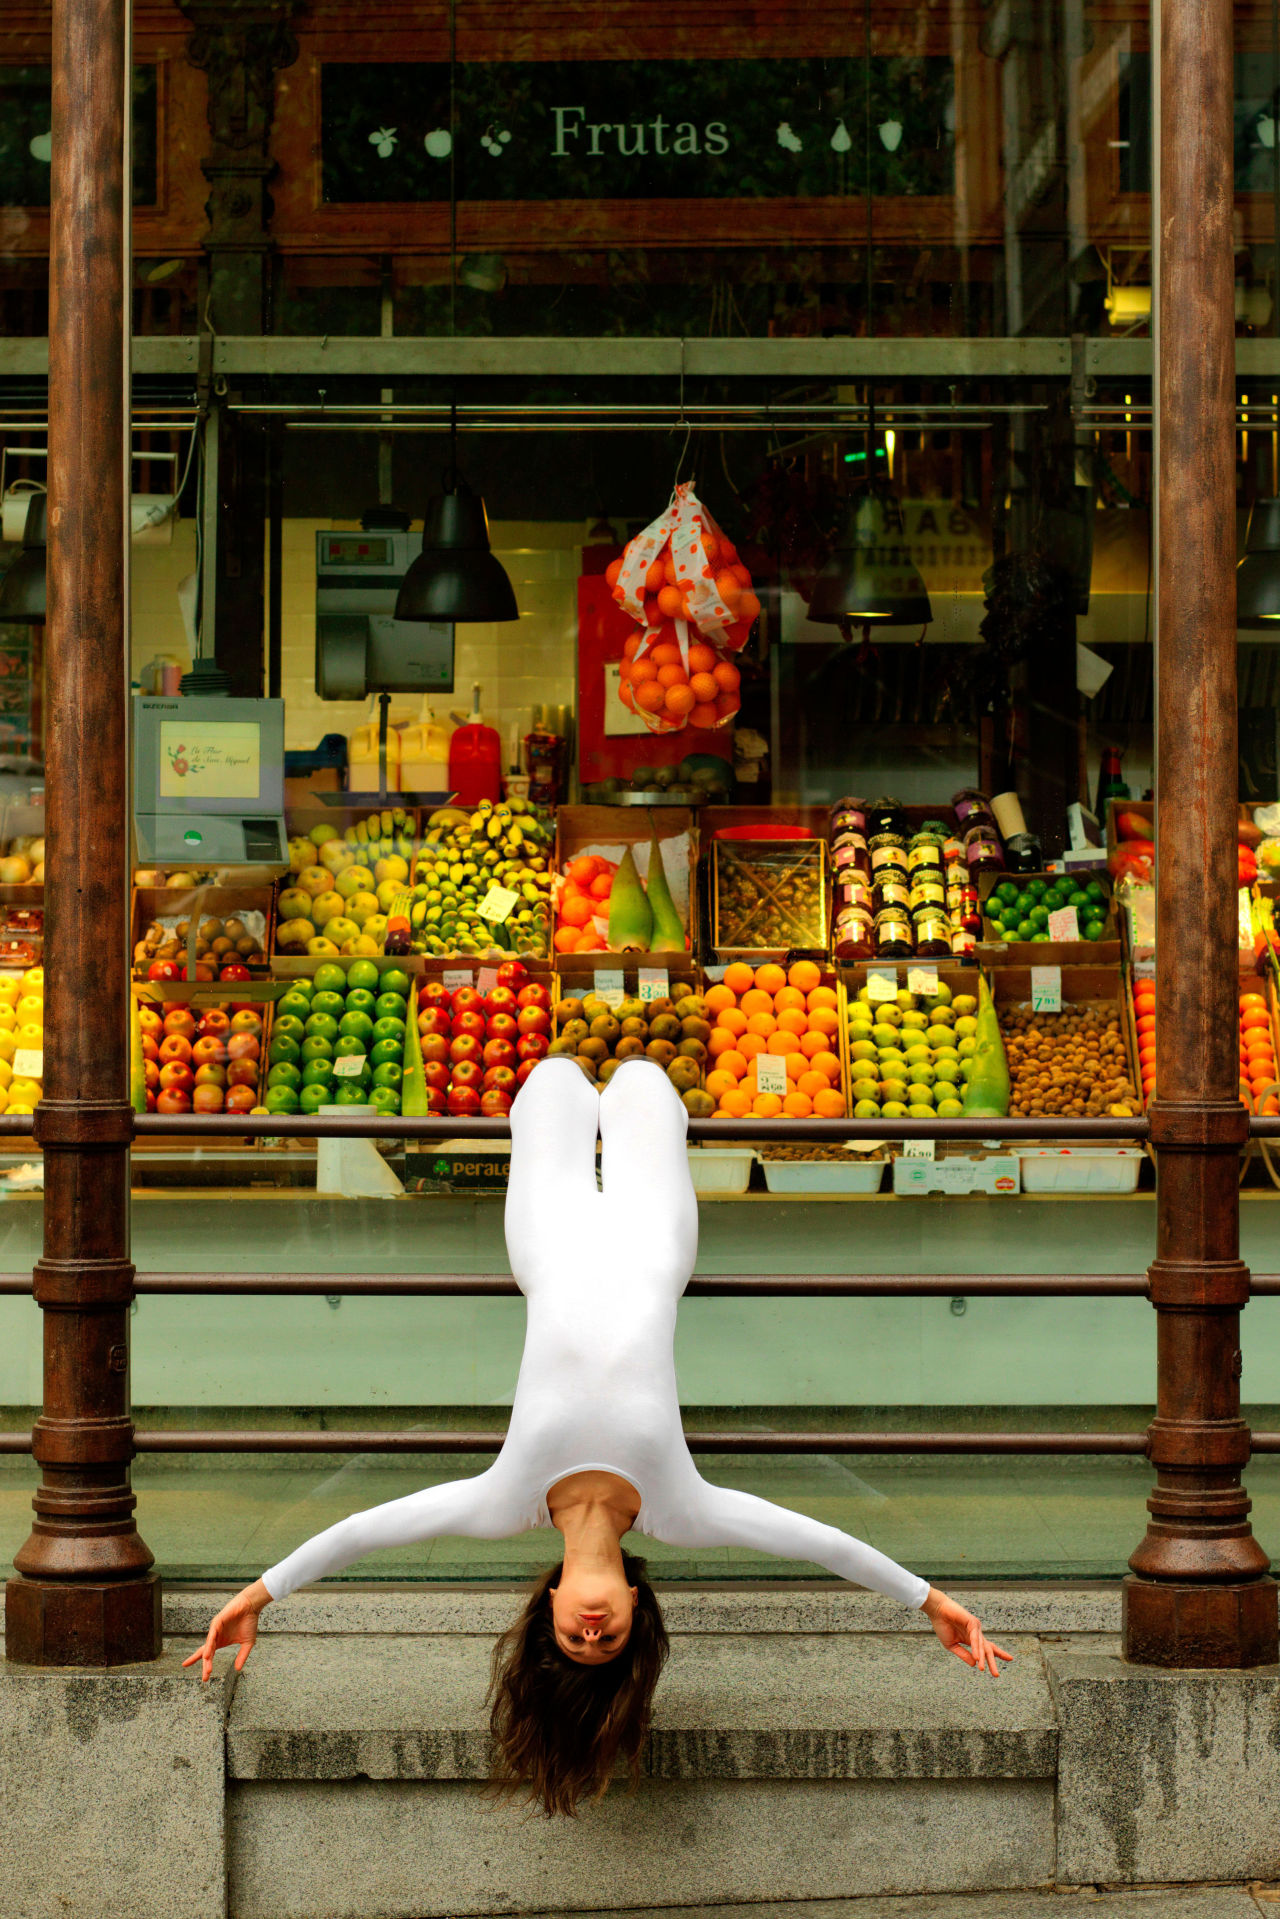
x,y
23,592
456,577
870,574
1258,574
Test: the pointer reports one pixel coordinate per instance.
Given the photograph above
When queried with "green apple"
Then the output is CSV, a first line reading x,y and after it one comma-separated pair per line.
x,y
283,1046
389,1029
350,1093
288,1026
355,1026
330,979
316,1072
315,1047
390,1073
313,1097
281,1099
328,1002
384,1050
396,980
322,1026
391,1006
347,1046
294,1005
361,1000
385,1099
364,974
285,1073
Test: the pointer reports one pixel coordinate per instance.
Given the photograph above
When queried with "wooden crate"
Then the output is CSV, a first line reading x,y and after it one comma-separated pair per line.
x,y
169,905
993,951
1082,986
608,830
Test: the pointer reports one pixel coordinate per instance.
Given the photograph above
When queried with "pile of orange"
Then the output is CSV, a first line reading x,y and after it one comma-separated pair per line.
x,y
1144,1007
790,1014
657,681
1257,1055
583,898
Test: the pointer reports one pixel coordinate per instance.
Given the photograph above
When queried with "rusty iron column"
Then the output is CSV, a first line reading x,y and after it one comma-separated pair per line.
x,y
86,1594
1199,1594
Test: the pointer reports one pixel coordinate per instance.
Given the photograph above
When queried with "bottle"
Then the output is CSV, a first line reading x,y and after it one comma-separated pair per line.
x,y
475,758
362,756
1111,782
424,754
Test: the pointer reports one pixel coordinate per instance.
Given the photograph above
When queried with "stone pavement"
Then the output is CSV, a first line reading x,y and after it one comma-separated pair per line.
x,y
1189,1902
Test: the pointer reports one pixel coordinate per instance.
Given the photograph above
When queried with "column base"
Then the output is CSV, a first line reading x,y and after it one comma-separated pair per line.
x,y
75,1623
1225,1626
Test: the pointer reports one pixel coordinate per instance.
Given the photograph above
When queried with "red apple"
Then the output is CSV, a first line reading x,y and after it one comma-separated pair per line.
x,y
533,1019
437,1102
434,992
202,972
175,1006
174,1046
211,1074
466,1046
151,1072
150,1021
437,1075
207,1098
173,1099
499,1052
206,1049
149,1048
242,1072
151,1101
241,1099
472,1023
247,1021
501,1079
467,1000
235,971
503,1026
494,1104
513,974
176,1072
433,1019
435,1046
164,969
181,1022
524,1069
468,1072
244,1046
533,1046
213,1020
500,1000
534,994
464,1102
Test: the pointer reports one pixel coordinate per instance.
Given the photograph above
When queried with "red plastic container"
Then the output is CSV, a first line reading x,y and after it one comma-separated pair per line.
x,y
475,763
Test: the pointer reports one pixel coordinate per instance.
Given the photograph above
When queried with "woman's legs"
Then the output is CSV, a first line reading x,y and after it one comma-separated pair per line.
x,y
554,1123
645,1165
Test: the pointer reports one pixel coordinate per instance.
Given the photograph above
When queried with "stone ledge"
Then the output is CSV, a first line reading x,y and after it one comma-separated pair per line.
x,y
781,1707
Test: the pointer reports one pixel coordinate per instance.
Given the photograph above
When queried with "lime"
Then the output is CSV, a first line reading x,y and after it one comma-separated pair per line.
x,y
281,1099
1009,934
1026,929
1036,888
390,1073
332,1003
355,1026
396,980
391,1006
322,1026
1078,898
350,1093
385,1050
285,1074
283,1046
316,1072
313,1097
363,973
389,1029
1039,917
347,1046
330,978
290,1027
1093,929
1096,890
360,1000
1007,892
385,1099
315,1047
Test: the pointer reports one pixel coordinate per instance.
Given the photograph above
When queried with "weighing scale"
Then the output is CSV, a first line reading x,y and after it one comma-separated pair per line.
x,y
208,781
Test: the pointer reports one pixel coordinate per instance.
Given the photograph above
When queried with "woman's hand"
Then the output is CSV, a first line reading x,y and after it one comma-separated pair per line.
x,y
235,1625
961,1633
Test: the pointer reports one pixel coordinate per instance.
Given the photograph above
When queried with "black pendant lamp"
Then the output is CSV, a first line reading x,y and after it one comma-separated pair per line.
x,y
870,576
1258,574
23,591
456,577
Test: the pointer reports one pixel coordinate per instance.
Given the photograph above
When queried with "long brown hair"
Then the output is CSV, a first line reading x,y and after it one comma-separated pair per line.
x,y
559,1728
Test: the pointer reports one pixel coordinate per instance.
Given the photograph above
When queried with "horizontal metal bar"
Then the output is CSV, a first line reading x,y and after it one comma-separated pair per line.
x,y
701,1286
762,425
660,415
827,1131
354,1441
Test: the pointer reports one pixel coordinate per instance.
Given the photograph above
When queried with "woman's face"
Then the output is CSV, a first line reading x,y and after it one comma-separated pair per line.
x,y
592,1613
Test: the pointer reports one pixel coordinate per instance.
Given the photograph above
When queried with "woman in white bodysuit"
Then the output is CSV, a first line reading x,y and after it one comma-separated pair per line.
x,y
594,1446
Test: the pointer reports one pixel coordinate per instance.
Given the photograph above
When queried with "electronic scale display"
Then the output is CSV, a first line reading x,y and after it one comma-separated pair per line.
x,y
208,781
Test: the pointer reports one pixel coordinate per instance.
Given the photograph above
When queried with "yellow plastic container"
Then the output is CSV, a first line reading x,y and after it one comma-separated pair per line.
x,y
424,754
362,759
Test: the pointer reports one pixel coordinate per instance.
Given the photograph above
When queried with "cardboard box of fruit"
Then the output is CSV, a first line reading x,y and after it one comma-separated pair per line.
x,y
603,837
906,1054
223,932
339,1037
1077,1061
1018,925
602,1028
479,1031
200,1056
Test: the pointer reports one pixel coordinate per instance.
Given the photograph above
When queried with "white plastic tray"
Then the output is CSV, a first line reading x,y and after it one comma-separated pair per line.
x,y
824,1175
721,1169
1080,1169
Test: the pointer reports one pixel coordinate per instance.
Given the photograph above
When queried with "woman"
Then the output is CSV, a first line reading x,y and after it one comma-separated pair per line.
x,y
594,1446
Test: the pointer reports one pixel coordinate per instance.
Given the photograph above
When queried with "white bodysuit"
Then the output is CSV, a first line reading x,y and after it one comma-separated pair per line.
x,y
602,1274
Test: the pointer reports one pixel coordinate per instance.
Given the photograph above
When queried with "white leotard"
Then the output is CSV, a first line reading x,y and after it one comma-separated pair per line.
x,y
602,1274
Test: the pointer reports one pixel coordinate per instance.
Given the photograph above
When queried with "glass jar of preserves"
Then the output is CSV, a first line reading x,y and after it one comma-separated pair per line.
x,y
853,934
852,891
894,937
972,807
966,912
888,850
890,888
924,853
962,943
849,852
886,816
927,888
932,931
847,813
983,852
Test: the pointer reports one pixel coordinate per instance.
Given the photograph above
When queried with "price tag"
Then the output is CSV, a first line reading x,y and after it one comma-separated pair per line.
x,y
1046,989
350,1066
1063,925
28,1062
456,976
918,1149
882,984
610,986
486,979
654,983
498,904
771,1074
923,980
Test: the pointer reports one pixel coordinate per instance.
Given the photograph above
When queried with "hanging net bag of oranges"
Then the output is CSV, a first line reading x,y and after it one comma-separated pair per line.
x,y
690,596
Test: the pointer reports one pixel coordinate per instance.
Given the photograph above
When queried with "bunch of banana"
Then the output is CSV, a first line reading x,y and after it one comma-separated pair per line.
x,y
465,853
381,836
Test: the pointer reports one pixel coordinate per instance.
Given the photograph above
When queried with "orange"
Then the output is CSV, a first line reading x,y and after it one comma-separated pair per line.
x,y
720,1083
680,700
576,910
602,886
673,675
797,1066
791,1020
1254,1017
733,1063
1261,1063
766,1106
721,1041
780,1043
1257,1040
703,688
763,1023
770,979
1270,1107
824,996
705,716
813,1083
717,999
823,1020
739,977
733,1020
727,676
629,648
670,601
584,868
806,976
788,999
797,1105
811,1043
828,1105
1147,1023
655,577
1252,999
755,1001
667,653
650,696
643,670
588,941
826,1063
750,1044
735,1105
701,657
566,938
